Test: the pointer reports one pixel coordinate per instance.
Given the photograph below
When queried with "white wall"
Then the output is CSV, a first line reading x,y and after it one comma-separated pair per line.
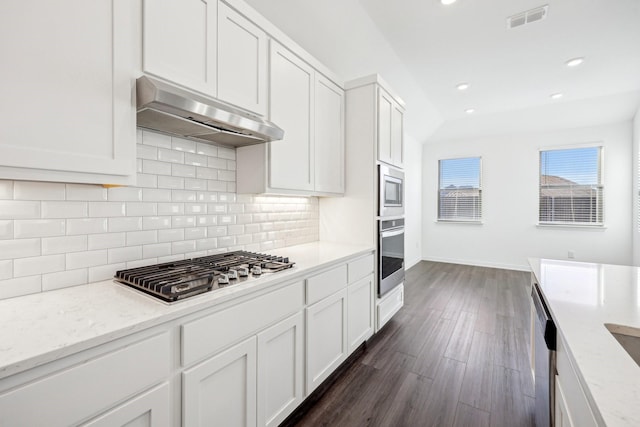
x,y
413,197
510,202
636,189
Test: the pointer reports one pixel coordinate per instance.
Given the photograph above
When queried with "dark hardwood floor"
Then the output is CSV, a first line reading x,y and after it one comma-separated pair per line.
x,y
455,355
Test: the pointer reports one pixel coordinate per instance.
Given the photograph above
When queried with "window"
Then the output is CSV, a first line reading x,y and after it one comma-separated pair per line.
x,y
571,190
460,192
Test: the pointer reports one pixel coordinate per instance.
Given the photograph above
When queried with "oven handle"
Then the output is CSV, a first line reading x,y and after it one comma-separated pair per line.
x,y
392,233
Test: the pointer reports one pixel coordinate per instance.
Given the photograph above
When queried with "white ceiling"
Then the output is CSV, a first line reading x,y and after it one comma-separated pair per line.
x,y
423,49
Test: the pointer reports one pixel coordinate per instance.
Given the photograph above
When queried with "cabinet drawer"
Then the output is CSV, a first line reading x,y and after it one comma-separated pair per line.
x,y
77,393
389,306
208,335
360,268
324,284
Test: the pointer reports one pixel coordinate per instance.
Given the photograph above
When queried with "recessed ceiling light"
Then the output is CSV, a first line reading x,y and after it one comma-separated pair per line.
x,y
574,62
556,95
470,111
462,86
447,2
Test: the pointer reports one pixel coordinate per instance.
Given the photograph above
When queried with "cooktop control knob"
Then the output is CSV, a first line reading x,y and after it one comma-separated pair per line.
x,y
233,274
243,271
256,270
223,279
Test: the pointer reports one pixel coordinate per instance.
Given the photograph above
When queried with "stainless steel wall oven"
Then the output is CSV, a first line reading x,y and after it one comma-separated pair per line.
x,y
390,254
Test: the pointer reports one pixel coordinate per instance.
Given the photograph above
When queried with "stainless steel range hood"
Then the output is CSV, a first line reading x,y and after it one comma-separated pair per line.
x,y
170,109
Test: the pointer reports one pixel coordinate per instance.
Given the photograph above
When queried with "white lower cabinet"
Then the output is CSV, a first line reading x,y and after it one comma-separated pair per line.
x,y
222,389
389,305
150,409
562,415
280,370
360,312
326,337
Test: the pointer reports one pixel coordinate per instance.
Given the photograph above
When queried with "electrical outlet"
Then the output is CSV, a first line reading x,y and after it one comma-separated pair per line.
x,y
571,254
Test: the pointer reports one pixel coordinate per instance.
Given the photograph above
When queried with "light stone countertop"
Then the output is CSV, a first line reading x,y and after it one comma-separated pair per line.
x,y
40,328
582,297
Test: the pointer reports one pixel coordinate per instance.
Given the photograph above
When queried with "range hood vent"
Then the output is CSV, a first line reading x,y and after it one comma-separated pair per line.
x,y
176,111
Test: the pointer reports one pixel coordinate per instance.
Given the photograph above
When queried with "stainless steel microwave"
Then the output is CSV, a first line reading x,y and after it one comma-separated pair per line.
x,y
391,191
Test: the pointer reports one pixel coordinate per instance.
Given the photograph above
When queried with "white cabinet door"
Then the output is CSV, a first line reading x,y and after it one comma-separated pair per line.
x,y
222,390
385,106
329,137
280,370
326,338
150,409
242,61
179,42
562,415
397,148
67,83
291,91
360,310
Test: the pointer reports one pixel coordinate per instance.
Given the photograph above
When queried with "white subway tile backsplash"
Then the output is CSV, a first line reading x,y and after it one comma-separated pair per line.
x,y
172,235
184,205
21,286
117,225
78,226
182,144
25,228
6,189
124,194
84,259
106,209
117,255
186,171
38,265
170,156
6,269
11,209
105,241
141,237
156,222
141,208
64,279
195,233
105,272
19,248
171,182
86,192
27,190
156,195
156,139
155,167
156,250
6,229
206,149
195,159
183,246
62,245
64,209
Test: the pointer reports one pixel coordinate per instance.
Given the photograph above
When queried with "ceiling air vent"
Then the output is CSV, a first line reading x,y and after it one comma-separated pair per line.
x,y
527,17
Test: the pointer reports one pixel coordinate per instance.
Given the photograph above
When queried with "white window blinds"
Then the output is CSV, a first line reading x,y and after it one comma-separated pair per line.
x,y
460,190
571,190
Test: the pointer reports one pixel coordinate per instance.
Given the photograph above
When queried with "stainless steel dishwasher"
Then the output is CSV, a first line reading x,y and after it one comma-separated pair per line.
x,y
545,360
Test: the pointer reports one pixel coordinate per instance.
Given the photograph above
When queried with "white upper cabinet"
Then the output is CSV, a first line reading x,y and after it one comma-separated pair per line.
x,y
390,116
179,42
329,137
242,61
292,105
67,85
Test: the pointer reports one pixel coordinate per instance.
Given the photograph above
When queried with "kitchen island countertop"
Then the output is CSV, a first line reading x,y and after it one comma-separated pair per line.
x,y
582,298
40,328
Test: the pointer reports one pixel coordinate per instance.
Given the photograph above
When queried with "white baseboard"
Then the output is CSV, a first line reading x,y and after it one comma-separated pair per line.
x,y
479,263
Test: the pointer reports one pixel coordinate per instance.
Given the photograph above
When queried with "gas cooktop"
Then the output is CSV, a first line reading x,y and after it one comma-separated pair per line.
x,y
174,281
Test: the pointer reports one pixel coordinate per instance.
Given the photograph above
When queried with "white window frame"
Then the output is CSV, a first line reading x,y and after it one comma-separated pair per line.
x,y
480,189
601,184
